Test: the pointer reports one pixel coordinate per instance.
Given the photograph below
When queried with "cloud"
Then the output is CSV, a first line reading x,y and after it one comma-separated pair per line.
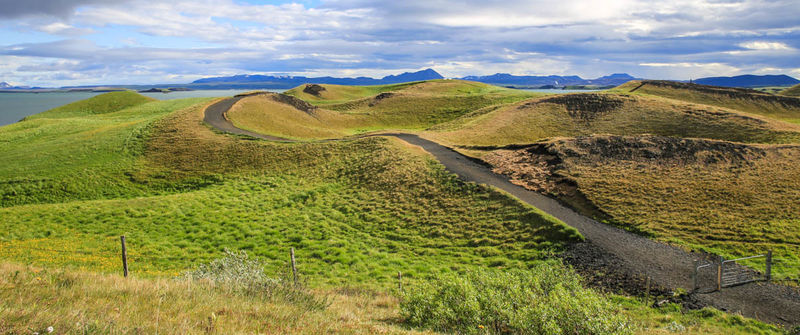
x,y
60,8
179,39
761,45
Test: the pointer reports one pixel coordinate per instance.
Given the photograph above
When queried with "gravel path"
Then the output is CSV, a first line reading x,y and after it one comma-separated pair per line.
x,y
608,248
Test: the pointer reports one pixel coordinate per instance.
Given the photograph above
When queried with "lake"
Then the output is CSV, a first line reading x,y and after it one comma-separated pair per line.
x,y
15,106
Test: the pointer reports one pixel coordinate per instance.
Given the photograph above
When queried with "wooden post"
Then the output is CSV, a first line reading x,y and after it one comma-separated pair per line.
x,y
647,291
294,266
694,276
399,281
124,256
719,273
769,265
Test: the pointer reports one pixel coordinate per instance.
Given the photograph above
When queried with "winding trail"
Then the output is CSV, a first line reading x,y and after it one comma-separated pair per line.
x,y
668,266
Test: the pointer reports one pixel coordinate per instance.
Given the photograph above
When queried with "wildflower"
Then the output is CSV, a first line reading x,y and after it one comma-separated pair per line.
x,y
480,326
50,329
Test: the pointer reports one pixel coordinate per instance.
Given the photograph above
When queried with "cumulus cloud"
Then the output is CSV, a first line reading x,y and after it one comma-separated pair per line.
x,y
179,39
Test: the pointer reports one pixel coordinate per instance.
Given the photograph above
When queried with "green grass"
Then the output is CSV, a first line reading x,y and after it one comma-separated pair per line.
x,y
70,153
357,212
346,110
606,113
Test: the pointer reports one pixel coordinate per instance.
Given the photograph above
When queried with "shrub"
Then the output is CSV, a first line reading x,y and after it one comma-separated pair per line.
x,y
238,273
548,299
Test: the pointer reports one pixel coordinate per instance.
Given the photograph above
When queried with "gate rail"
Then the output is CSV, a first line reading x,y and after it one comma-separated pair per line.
x,y
729,273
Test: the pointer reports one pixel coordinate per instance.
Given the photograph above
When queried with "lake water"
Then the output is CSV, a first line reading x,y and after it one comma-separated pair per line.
x,y
15,106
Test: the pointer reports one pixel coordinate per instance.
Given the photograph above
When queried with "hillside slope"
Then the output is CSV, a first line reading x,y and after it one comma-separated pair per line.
x,y
793,91
603,113
744,100
728,198
347,110
356,211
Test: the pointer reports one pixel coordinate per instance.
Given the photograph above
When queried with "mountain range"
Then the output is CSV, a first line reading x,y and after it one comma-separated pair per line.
x,y
247,81
749,80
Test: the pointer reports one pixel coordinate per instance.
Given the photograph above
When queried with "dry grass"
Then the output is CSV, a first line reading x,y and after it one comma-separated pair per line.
x,y
731,199
585,114
32,299
743,100
793,91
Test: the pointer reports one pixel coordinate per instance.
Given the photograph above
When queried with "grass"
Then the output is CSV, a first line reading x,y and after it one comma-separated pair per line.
x,y
618,114
79,302
345,110
793,91
356,211
743,100
731,199
72,302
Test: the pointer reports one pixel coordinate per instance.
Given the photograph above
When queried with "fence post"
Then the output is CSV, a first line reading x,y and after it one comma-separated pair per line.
x,y
124,256
719,273
399,281
294,266
647,292
769,265
694,276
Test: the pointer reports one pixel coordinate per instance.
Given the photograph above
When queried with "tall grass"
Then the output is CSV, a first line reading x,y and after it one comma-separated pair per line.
x,y
546,299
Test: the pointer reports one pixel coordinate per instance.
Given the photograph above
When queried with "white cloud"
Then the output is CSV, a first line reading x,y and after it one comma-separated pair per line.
x,y
762,45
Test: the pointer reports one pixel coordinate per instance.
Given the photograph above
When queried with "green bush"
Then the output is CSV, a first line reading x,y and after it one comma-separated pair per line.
x,y
547,299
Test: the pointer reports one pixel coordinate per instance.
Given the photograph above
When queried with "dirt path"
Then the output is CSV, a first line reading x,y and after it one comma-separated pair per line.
x,y
608,248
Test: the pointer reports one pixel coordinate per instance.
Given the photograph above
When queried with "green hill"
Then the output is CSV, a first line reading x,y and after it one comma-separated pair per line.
x,y
346,110
743,100
793,91
607,113
356,212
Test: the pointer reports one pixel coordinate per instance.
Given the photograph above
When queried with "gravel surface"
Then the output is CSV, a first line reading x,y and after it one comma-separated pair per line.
x,y
611,258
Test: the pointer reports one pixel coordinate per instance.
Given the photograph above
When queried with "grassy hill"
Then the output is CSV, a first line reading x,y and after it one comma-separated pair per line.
x,y
607,113
744,100
344,110
793,91
357,212
728,198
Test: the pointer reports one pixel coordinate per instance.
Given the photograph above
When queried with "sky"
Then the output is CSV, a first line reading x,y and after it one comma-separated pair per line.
x,y
88,42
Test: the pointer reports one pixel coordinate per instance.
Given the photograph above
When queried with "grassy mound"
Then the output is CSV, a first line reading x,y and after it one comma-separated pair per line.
x,y
100,104
347,110
356,212
731,199
744,100
602,113
793,91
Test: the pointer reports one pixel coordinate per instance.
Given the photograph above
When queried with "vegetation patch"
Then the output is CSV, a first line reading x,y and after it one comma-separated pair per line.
x,y
547,299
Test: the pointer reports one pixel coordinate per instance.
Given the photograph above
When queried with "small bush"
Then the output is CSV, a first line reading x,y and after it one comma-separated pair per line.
x,y
547,299
238,273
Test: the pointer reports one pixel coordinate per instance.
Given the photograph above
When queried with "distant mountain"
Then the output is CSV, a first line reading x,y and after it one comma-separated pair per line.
x,y
261,81
4,85
749,80
554,81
